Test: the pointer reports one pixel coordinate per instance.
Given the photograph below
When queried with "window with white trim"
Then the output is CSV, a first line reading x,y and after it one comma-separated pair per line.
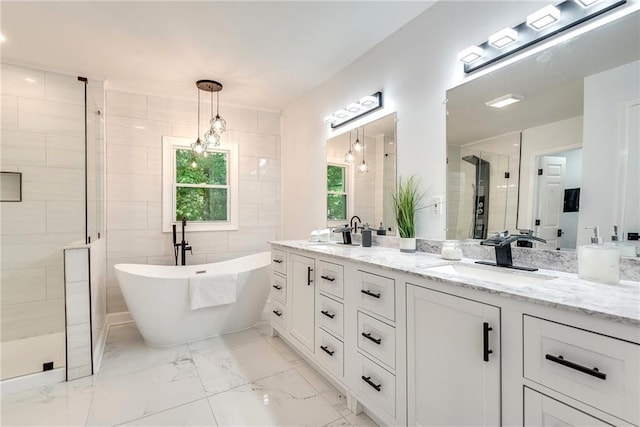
x,y
203,189
337,192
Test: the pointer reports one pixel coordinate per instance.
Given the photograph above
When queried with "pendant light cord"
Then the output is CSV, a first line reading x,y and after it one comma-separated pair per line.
x,y
198,113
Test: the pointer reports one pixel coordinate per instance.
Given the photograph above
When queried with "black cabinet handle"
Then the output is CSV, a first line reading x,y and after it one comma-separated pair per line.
x,y
279,261
277,287
309,280
326,350
277,313
371,294
594,372
485,339
369,337
371,383
326,313
331,279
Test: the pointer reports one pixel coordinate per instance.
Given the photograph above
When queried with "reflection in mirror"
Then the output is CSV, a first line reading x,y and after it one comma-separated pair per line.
x,y
352,191
549,162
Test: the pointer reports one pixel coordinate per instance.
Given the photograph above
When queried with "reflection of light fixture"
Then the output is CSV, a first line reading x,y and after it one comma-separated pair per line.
x,y
586,3
503,38
355,110
363,167
470,54
543,17
212,136
349,156
357,146
504,100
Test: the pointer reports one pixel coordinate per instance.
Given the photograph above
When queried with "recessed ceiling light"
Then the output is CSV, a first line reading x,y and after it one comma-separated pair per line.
x,y
586,3
470,54
504,100
503,38
544,17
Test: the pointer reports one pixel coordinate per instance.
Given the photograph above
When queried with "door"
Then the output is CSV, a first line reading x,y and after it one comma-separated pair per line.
x,y
550,200
453,360
301,308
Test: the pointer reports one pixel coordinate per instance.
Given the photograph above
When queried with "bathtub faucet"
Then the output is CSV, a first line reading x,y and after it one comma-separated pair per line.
x,y
182,247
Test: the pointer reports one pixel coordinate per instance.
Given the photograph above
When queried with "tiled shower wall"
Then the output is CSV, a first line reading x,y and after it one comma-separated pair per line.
x,y
135,127
42,137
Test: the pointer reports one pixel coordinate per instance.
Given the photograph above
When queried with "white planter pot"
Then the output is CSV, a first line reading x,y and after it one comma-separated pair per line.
x,y
407,244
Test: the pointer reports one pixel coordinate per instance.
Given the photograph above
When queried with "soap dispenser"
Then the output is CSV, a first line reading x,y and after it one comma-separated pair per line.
x,y
625,248
366,236
598,262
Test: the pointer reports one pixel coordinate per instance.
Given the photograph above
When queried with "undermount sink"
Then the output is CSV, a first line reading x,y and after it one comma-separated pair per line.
x,y
492,274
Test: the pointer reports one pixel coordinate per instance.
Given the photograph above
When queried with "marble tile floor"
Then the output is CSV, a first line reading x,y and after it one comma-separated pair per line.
x,y
242,379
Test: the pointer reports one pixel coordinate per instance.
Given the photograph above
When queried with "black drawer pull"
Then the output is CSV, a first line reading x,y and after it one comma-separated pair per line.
x,y
331,279
277,313
369,337
277,287
309,279
279,261
594,372
371,294
326,313
371,383
326,350
485,339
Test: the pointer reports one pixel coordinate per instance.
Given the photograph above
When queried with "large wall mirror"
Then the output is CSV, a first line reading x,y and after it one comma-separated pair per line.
x,y
564,156
363,190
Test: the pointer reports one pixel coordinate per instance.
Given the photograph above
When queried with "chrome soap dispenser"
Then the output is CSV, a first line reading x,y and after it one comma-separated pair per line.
x,y
598,262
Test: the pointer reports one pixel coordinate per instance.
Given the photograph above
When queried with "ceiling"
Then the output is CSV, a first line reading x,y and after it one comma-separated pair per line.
x,y
266,54
551,83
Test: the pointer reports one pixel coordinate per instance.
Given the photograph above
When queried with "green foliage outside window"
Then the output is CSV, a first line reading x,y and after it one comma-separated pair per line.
x,y
336,193
205,196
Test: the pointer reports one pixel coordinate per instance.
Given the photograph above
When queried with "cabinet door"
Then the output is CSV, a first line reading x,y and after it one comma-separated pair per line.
x,y
453,356
302,305
542,411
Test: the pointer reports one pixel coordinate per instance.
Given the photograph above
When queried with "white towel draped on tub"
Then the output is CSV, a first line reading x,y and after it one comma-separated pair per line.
x,y
210,290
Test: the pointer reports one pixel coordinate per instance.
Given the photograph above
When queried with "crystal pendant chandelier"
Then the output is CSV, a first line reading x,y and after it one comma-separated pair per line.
x,y
211,138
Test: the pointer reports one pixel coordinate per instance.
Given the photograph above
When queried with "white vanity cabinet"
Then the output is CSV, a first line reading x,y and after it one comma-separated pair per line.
x,y
279,288
301,304
453,360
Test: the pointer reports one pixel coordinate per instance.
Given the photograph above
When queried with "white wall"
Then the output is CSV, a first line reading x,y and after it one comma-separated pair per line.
x,y
42,137
604,96
135,126
413,67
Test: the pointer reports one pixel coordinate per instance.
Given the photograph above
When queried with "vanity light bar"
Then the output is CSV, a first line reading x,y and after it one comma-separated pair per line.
x,y
355,110
504,100
538,26
544,17
503,38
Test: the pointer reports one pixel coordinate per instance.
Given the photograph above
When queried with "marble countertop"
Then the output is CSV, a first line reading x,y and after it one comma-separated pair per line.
x,y
619,303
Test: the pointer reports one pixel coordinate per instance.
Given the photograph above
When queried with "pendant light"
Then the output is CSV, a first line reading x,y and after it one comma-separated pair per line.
x,y
218,124
357,146
349,156
211,137
199,147
363,168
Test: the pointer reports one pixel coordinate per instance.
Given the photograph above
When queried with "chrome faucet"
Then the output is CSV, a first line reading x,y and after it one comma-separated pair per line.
x,y
353,223
502,244
182,247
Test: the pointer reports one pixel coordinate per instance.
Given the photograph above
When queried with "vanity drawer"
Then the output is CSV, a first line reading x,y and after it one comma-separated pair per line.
x,y
330,353
377,339
377,294
543,411
595,369
279,287
330,315
279,261
376,385
279,314
331,279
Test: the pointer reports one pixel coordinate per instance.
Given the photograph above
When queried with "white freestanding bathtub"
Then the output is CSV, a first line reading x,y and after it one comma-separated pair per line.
x,y
158,299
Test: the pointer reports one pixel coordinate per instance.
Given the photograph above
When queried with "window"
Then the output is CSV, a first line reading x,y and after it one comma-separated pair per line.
x,y
202,189
336,192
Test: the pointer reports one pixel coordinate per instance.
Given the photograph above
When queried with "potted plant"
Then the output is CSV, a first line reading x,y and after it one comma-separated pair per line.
x,y
406,201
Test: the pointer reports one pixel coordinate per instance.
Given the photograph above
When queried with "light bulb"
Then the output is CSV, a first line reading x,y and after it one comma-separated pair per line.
x,y
197,147
363,167
349,156
212,138
357,146
218,124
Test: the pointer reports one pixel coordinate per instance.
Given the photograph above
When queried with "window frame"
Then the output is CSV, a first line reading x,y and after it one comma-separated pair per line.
x,y
169,185
347,192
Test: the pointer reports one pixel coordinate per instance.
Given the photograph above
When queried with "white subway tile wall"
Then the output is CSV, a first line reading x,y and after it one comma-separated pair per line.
x,y
135,126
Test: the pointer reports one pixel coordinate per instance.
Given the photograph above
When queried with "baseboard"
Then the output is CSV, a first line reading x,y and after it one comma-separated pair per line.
x,y
25,382
111,320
